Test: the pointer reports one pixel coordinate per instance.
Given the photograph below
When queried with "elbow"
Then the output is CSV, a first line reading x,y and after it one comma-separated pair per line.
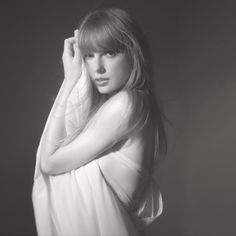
x,y
48,167
45,167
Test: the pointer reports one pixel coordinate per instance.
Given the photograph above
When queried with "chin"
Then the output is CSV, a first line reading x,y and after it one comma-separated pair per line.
x,y
108,91
105,90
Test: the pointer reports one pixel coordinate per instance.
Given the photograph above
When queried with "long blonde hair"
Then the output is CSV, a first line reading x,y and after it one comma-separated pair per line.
x,y
112,29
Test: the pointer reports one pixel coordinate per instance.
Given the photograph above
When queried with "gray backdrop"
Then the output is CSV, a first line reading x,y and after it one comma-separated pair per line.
x,y
193,45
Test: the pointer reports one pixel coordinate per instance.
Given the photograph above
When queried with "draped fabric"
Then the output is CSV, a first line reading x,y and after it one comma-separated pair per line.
x,y
91,200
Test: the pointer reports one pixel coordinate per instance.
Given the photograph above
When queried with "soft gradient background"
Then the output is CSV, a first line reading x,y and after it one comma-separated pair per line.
x,y
193,44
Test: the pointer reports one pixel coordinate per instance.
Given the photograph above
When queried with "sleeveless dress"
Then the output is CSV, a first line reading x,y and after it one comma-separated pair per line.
x,y
92,200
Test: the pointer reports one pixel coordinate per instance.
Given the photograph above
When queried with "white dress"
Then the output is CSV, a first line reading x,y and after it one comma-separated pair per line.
x,y
91,200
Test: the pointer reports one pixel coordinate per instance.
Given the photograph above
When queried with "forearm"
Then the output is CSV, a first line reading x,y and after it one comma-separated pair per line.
x,y
55,131
108,126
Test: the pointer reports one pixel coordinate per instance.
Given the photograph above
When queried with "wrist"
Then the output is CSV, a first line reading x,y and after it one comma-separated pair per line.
x,y
67,87
69,82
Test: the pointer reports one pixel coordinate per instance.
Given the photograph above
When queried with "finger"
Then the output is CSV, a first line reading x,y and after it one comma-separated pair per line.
x,y
76,36
76,43
75,49
68,45
76,52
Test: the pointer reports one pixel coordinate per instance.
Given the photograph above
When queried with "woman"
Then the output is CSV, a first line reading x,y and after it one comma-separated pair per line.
x,y
95,159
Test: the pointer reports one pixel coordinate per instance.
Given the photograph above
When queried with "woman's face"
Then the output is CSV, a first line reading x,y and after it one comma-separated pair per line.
x,y
108,70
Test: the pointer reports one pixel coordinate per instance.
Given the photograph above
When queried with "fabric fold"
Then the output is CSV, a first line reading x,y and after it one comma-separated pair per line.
x,y
81,202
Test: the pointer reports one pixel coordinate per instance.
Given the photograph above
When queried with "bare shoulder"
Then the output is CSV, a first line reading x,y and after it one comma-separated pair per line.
x,y
125,107
114,110
120,102
121,99
127,99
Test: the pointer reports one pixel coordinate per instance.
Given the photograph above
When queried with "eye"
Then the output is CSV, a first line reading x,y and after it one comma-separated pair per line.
x,y
89,55
110,53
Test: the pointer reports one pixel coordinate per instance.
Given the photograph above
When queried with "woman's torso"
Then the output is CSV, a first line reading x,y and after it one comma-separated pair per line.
x,y
127,168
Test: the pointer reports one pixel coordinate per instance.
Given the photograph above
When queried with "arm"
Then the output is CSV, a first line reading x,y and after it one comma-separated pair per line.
x,y
105,128
55,130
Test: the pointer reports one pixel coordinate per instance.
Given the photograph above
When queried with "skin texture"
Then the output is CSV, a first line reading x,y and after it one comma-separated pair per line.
x,y
114,66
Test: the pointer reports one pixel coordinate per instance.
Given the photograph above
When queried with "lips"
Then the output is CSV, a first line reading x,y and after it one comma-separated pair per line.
x,y
102,81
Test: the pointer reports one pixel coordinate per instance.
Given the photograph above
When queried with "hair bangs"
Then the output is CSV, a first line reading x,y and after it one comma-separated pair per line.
x,y
99,38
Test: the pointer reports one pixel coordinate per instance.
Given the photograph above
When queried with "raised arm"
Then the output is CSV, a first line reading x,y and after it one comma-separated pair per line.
x,y
55,130
106,127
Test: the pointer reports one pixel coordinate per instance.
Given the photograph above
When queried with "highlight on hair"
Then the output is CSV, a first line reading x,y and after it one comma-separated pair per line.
x,y
112,29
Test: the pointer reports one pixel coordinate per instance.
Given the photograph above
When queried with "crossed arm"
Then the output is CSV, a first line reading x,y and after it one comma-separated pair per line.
x,y
106,127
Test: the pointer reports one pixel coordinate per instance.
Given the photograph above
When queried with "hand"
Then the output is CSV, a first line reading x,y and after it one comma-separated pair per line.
x,y
72,61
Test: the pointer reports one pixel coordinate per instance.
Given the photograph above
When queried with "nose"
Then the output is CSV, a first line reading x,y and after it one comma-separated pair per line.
x,y
98,65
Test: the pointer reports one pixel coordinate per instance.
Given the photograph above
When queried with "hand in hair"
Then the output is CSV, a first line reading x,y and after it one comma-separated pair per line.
x,y
72,60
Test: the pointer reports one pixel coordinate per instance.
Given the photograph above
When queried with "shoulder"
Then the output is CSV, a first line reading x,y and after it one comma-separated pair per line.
x,y
131,108
125,99
114,108
118,107
125,106
117,103
122,115
120,99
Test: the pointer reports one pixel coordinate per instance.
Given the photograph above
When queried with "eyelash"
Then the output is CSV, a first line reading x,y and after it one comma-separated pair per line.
x,y
108,53
88,55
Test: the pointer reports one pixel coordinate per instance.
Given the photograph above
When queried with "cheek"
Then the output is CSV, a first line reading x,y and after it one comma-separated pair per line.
x,y
122,70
